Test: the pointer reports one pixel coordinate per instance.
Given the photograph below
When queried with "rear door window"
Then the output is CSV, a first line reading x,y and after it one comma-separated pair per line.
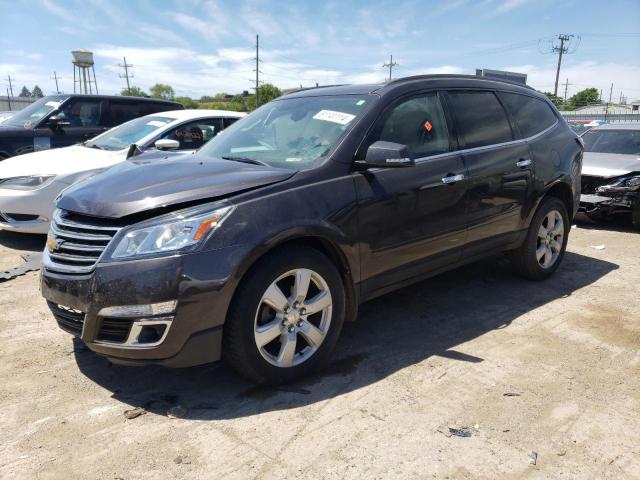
x,y
531,115
155,107
124,111
417,122
480,118
228,121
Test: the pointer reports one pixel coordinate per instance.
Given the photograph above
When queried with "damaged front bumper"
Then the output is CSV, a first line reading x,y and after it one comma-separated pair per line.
x,y
609,202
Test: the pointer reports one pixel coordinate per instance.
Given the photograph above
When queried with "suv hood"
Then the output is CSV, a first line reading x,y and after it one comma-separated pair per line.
x,y
60,161
609,165
136,186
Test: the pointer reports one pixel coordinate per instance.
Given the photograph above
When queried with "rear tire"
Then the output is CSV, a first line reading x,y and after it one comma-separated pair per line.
x,y
286,316
543,249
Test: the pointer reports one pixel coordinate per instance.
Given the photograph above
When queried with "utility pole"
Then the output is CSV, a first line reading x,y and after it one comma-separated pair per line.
x,y
391,64
9,99
257,70
566,86
561,51
10,85
606,111
56,78
126,75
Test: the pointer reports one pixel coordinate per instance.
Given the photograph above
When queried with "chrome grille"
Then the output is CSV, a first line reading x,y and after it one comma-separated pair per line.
x,y
75,246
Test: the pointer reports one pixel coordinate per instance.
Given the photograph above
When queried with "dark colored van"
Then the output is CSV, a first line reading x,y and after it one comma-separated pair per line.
x,y
257,248
62,120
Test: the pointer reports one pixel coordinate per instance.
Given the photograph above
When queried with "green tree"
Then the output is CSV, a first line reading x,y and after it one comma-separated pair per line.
x,y
585,97
160,90
557,101
24,92
37,92
188,102
133,92
268,92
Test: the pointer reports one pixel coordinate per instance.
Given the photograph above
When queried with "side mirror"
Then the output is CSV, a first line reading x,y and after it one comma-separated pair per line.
x,y
56,121
387,155
167,144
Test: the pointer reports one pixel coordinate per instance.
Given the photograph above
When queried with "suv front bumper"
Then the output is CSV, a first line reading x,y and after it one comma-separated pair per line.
x,y
201,284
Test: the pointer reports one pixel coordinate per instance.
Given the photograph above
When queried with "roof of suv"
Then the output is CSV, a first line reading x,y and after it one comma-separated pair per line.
x,y
448,81
64,96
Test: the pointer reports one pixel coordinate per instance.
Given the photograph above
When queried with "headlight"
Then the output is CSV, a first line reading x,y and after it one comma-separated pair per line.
x,y
26,183
633,182
179,231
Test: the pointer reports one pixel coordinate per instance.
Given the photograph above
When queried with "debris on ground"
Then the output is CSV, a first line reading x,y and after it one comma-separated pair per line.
x,y
180,459
562,453
177,412
533,458
598,247
510,394
460,432
32,261
134,413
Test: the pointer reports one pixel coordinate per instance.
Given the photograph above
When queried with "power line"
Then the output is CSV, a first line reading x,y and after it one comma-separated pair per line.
x,y
391,64
126,75
56,78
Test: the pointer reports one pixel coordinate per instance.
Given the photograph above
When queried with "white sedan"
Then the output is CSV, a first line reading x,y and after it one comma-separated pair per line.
x,y
30,183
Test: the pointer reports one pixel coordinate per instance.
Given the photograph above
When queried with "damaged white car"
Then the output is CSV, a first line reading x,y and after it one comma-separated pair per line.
x,y
611,172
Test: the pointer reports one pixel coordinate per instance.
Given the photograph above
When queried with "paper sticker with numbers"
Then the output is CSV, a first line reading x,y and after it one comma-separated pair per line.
x,y
335,117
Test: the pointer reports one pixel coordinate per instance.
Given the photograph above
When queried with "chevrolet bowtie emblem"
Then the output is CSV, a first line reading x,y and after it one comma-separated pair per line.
x,y
53,244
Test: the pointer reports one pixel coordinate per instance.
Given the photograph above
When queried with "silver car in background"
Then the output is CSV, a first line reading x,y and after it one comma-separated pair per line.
x,y
611,172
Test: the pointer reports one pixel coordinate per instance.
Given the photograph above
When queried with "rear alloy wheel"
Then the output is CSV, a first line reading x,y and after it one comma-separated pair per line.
x,y
286,316
543,248
550,239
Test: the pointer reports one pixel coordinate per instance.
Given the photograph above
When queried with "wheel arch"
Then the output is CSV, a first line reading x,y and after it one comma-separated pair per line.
x,y
324,242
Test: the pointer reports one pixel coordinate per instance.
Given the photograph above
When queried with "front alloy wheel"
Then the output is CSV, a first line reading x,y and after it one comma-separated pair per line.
x,y
289,328
286,316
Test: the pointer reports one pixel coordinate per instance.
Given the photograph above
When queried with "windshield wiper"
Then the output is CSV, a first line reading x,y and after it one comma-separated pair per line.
x,y
252,161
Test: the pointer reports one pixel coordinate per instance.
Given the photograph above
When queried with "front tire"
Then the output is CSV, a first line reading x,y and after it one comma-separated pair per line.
x,y
635,216
286,316
543,249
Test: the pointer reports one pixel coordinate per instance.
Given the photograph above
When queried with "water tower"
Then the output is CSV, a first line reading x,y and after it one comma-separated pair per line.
x,y
82,70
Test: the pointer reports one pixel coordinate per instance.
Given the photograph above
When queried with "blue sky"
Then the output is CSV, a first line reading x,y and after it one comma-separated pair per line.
x,y
206,46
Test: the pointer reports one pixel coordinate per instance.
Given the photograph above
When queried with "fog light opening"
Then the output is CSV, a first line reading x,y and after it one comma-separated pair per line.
x,y
151,334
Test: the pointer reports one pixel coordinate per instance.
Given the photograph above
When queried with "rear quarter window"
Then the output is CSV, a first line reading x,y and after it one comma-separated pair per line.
x,y
480,118
531,115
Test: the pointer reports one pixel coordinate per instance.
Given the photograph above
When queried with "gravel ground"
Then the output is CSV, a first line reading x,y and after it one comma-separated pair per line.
x,y
551,368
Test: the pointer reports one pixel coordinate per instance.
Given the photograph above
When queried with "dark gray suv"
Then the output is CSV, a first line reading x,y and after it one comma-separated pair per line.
x,y
257,248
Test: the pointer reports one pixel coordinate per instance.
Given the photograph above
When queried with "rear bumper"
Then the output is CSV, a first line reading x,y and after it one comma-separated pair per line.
x,y
202,283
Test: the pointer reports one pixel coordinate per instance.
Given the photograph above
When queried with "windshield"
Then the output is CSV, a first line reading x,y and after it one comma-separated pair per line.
x,y
131,132
626,142
29,116
291,133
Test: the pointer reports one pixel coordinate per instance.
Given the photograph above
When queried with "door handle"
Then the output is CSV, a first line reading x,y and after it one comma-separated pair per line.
x,y
453,178
524,163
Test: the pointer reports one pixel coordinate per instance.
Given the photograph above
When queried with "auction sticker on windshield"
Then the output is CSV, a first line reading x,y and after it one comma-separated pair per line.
x,y
333,116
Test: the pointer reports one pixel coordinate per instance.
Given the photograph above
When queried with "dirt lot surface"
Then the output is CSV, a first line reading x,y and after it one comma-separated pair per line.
x,y
551,368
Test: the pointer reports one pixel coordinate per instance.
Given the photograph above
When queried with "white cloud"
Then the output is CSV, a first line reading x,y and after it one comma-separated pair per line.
x,y
584,75
59,11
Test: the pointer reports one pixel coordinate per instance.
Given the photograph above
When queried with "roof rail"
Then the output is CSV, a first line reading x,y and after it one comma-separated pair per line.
x,y
315,88
446,75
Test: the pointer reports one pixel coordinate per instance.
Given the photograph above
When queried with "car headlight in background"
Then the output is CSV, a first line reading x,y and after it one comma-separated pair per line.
x,y
633,182
30,182
181,230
